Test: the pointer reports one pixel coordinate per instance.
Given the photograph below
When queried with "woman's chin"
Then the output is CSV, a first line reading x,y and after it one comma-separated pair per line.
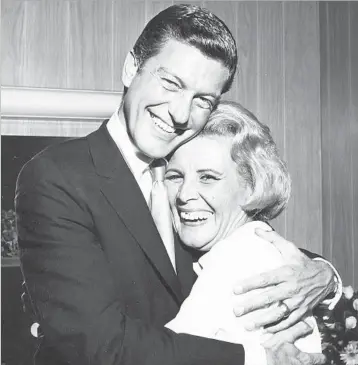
x,y
193,241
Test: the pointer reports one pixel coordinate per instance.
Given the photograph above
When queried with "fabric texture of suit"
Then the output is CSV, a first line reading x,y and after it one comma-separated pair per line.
x,y
98,275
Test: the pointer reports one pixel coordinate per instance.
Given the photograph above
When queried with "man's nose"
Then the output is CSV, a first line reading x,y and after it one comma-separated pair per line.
x,y
180,109
188,191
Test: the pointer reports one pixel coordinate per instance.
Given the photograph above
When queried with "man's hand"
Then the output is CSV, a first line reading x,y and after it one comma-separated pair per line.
x,y
289,292
280,348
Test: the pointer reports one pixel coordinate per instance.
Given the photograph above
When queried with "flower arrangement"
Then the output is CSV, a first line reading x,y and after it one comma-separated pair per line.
x,y
9,245
339,330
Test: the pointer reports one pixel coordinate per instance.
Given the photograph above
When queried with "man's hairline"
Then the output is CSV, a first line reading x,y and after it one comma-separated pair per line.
x,y
141,66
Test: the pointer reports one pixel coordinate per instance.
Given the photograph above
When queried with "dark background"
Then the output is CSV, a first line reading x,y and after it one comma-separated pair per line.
x,y
17,347
15,152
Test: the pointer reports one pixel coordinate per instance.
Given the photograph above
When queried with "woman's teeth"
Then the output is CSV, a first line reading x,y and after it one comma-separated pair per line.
x,y
195,216
163,126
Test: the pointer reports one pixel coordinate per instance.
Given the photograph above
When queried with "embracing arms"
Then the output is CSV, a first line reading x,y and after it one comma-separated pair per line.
x,y
76,300
73,291
304,282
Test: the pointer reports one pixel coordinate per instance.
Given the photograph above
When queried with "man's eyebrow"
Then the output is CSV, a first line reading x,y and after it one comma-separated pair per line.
x,y
184,85
178,79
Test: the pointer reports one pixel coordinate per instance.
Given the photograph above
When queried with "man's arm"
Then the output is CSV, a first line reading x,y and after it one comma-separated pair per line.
x,y
73,292
301,284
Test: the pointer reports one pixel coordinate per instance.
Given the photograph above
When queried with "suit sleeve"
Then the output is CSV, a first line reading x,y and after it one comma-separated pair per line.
x,y
332,299
310,254
73,292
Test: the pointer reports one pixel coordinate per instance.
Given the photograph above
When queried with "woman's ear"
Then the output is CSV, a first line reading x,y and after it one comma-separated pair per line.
x,y
130,69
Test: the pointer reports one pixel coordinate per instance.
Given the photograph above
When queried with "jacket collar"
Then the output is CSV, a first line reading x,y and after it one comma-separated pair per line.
x,y
120,188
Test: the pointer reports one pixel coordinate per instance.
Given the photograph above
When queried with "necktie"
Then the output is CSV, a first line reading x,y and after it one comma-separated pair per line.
x,y
159,206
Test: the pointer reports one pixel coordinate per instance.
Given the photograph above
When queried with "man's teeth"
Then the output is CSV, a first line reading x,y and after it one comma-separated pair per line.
x,y
164,126
195,216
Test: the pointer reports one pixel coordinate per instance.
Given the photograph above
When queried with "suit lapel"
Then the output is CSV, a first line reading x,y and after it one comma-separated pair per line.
x,y
184,266
120,188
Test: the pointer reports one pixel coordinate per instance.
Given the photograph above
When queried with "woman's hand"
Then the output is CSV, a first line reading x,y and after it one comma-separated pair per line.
x,y
285,294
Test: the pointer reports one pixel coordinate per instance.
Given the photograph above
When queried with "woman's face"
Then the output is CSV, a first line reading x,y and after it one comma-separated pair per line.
x,y
205,191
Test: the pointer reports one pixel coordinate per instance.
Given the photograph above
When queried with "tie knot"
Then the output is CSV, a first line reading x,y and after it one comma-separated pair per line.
x,y
157,168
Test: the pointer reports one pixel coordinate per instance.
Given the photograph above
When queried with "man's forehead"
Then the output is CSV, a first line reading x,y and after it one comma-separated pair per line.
x,y
191,66
173,48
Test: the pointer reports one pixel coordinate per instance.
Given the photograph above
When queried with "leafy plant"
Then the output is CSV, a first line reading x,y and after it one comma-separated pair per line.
x,y
9,244
339,330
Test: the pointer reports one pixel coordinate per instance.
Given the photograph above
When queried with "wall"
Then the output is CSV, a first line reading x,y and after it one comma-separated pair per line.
x,y
77,44
339,108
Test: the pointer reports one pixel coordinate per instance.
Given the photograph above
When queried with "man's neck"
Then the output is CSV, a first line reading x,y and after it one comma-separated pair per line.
x,y
122,121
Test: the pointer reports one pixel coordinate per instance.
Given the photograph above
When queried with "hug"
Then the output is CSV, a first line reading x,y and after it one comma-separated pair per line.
x,y
129,260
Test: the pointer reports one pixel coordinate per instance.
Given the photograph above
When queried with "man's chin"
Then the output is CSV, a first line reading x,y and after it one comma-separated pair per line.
x,y
156,152
152,152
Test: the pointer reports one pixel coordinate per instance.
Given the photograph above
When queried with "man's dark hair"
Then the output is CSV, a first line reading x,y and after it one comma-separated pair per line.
x,y
191,25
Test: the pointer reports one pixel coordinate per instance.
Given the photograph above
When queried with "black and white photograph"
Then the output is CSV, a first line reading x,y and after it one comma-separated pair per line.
x,y
179,182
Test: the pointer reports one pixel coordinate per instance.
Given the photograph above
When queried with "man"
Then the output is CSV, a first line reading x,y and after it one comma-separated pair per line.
x,y
99,277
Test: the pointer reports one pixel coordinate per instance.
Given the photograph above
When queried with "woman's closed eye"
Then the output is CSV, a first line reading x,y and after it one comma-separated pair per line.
x,y
173,177
209,178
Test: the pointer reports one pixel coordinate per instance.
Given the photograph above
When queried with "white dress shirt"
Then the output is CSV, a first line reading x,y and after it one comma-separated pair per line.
x,y
137,162
208,311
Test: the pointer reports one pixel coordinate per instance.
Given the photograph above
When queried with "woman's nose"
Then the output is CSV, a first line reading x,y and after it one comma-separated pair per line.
x,y
188,191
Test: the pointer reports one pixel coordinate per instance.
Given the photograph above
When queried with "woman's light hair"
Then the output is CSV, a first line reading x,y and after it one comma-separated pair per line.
x,y
256,156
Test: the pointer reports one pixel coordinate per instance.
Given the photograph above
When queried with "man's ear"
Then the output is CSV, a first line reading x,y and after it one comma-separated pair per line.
x,y
129,69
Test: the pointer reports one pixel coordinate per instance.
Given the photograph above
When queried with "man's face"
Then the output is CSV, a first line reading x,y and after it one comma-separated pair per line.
x,y
170,99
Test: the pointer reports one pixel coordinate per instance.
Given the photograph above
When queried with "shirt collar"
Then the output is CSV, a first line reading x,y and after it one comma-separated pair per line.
x,y
136,161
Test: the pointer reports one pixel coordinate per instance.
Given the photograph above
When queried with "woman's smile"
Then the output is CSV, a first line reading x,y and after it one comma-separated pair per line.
x,y
194,218
205,191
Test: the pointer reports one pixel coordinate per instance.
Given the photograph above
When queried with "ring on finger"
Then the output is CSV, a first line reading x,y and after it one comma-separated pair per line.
x,y
287,309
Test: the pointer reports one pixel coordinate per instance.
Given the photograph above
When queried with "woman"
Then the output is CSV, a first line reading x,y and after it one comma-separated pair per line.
x,y
222,185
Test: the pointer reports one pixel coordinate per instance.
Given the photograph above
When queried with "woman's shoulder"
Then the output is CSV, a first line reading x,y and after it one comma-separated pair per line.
x,y
245,237
244,247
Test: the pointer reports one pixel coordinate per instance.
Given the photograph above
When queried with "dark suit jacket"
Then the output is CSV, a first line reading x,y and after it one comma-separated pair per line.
x,y
101,283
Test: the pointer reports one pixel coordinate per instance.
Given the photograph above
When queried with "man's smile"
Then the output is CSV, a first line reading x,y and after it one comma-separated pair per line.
x,y
163,126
